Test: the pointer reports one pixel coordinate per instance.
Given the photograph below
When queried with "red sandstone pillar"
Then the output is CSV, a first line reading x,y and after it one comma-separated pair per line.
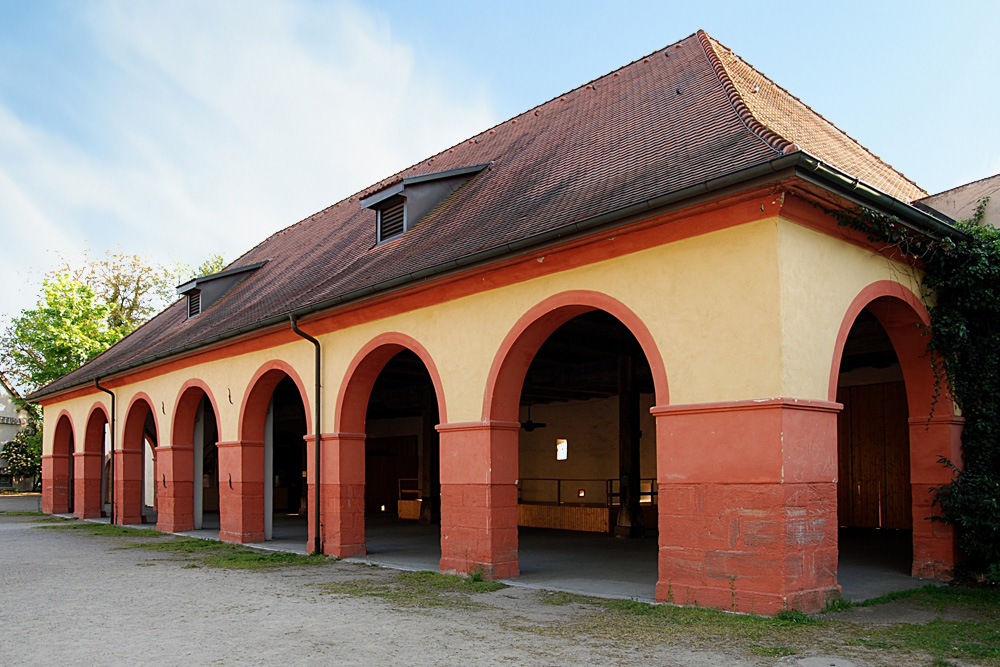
x,y
479,498
342,493
241,491
748,504
87,485
55,483
934,547
128,486
175,500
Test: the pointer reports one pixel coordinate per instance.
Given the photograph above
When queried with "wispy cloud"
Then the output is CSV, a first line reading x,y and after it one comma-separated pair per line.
x,y
207,126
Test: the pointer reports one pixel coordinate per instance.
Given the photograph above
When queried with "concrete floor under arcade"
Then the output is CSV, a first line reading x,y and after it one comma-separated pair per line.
x,y
872,562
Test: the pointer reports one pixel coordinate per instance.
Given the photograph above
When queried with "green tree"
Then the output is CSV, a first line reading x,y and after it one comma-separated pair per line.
x,y
213,264
68,327
85,308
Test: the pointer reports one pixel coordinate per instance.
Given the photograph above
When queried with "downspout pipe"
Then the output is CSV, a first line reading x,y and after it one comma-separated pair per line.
x,y
317,424
111,466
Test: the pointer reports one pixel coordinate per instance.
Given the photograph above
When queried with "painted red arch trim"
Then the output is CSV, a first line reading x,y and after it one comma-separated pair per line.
x,y
128,432
64,418
258,393
355,390
95,430
182,407
503,385
877,290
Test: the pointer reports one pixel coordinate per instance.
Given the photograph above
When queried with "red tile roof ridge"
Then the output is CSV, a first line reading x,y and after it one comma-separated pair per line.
x,y
768,136
711,44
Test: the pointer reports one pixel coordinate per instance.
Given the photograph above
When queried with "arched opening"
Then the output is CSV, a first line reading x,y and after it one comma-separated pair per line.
x,y
89,467
587,458
603,369
137,479
874,506
191,499
890,435
402,496
285,499
59,491
262,477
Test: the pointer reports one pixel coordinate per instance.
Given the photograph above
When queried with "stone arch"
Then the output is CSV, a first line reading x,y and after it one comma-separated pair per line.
x,y
57,468
88,464
355,390
934,429
258,394
245,496
503,386
181,499
129,465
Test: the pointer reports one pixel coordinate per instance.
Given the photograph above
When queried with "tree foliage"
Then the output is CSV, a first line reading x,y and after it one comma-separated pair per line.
x,y
85,308
963,276
68,327
131,286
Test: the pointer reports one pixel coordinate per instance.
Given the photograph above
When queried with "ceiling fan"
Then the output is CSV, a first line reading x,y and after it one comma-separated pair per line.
x,y
529,425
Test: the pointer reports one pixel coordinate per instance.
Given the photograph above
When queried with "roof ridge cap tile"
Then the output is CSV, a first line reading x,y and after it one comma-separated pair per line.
x,y
706,38
767,135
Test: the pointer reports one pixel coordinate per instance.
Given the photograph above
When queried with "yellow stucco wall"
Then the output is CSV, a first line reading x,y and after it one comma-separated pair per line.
x,y
746,312
820,277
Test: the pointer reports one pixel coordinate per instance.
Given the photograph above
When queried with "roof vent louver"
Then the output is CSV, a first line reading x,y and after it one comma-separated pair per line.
x,y
194,303
392,220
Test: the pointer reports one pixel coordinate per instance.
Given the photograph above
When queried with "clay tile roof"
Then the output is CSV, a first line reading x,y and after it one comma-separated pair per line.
x,y
671,120
782,119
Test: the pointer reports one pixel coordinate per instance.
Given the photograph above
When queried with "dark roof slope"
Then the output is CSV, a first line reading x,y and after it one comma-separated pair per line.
x,y
665,122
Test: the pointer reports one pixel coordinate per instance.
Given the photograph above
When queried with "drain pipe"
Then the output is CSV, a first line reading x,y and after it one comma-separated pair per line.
x,y
111,463
318,544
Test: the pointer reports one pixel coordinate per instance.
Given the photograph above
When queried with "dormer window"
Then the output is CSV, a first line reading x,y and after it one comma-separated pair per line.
x,y
204,291
399,207
391,218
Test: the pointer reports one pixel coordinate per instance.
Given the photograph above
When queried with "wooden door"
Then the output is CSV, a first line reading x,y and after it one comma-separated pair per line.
x,y
873,445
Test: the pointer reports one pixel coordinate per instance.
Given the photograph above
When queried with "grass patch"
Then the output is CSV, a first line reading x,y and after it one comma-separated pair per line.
x,y
21,513
417,589
239,559
185,545
104,530
226,555
977,641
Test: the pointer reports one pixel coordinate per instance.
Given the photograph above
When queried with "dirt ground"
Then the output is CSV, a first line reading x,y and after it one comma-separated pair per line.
x,y
72,598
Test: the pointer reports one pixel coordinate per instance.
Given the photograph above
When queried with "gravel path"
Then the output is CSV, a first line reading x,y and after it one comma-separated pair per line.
x,y
74,599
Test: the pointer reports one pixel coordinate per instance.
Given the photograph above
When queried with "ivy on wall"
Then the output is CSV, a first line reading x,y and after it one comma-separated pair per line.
x,y
962,276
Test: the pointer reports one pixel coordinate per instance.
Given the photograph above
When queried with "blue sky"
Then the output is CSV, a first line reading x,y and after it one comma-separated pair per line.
x,y
179,129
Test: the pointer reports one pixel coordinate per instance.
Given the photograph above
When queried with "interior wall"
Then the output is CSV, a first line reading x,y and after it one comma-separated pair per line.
x,y
591,430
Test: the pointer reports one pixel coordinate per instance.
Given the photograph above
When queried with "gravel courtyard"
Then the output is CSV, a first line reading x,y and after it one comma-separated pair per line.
x,y
71,597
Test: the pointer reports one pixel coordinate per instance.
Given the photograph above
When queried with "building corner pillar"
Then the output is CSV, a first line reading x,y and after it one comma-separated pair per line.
x,y
748,504
935,549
